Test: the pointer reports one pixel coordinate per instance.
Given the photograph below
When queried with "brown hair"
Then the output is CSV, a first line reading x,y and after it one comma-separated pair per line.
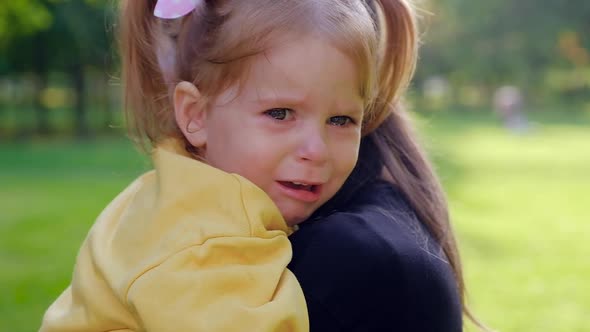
x,y
212,47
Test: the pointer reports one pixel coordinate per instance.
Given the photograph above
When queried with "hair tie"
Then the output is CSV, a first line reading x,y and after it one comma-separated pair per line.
x,y
171,9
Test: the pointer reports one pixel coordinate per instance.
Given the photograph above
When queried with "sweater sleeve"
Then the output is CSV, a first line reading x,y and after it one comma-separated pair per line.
x,y
225,284
235,279
185,248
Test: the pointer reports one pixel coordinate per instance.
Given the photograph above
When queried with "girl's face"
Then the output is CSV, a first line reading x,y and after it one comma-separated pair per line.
x,y
294,128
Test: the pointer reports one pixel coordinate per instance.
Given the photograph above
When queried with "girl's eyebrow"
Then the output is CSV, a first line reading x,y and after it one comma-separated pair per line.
x,y
355,112
351,106
348,106
272,96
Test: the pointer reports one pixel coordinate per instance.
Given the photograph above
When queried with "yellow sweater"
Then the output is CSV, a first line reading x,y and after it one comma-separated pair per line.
x,y
185,247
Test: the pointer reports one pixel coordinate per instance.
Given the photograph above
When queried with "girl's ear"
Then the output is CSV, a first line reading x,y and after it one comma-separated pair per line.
x,y
191,114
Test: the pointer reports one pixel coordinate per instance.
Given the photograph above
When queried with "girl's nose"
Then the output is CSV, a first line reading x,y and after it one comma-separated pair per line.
x,y
313,146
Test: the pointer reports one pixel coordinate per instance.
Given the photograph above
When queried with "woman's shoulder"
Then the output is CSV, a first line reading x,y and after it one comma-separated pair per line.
x,y
379,228
375,264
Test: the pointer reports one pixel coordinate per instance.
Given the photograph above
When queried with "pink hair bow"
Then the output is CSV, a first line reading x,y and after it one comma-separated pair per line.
x,y
170,9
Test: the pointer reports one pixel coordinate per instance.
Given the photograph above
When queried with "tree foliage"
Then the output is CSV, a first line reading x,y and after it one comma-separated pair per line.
x,y
503,41
39,35
22,18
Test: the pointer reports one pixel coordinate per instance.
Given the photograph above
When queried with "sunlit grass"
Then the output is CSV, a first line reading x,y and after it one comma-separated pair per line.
x,y
519,205
50,193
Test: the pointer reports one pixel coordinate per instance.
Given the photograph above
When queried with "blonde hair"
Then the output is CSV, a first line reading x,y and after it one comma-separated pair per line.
x,y
213,47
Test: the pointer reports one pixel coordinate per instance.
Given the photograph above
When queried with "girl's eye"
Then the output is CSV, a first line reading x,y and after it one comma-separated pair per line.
x,y
279,113
340,121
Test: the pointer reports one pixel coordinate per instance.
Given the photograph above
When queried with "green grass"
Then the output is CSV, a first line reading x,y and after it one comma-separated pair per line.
x,y
520,205
50,193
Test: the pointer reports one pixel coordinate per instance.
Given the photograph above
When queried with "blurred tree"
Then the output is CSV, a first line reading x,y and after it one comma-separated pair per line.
x,y
21,23
81,39
22,18
56,35
489,43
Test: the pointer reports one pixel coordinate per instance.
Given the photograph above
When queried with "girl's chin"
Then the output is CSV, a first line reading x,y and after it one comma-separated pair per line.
x,y
294,219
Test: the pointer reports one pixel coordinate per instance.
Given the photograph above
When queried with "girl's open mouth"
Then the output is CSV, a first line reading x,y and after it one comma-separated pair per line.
x,y
299,186
301,191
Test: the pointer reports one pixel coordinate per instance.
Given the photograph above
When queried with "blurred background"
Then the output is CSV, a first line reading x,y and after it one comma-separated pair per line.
x,y
501,98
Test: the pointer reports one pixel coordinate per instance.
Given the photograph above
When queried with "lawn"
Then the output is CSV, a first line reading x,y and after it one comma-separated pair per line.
x,y
519,202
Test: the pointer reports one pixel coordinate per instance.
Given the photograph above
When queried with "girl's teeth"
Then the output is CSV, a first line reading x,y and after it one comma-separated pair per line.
x,y
302,186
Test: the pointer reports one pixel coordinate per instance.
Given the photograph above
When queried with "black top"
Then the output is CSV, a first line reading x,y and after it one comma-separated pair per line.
x,y
372,266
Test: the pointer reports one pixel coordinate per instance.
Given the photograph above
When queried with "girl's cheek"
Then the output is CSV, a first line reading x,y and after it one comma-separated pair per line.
x,y
346,139
346,152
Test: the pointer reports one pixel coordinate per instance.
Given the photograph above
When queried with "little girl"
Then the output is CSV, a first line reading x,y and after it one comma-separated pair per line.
x,y
255,110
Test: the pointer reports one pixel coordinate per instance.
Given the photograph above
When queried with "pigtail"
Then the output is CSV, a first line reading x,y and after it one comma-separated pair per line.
x,y
405,162
145,88
397,56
